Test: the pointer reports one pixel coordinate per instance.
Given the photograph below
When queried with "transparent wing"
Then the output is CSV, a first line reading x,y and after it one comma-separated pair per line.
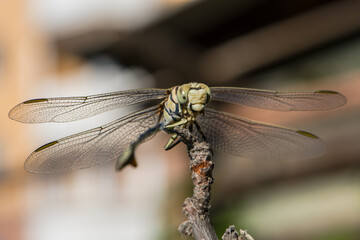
x,y
95,146
275,100
65,109
247,138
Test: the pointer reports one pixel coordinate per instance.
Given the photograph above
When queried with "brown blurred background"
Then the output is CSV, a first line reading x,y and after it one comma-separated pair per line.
x,y
69,48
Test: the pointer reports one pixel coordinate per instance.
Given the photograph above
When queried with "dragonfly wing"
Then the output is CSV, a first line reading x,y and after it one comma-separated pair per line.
x,y
252,139
282,101
65,109
95,146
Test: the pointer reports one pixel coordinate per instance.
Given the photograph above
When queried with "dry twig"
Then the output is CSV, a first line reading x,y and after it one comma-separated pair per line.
x,y
197,207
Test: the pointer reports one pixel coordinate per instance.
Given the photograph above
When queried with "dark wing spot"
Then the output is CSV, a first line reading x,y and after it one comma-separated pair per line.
x,y
307,134
326,92
35,100
46,146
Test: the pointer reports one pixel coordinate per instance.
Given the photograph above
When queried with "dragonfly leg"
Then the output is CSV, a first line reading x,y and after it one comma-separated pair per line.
x,y
199,130
191,127
202,134
179,123
170,144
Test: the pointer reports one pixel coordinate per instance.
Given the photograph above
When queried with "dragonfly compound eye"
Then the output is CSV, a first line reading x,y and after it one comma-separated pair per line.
x,y
182,94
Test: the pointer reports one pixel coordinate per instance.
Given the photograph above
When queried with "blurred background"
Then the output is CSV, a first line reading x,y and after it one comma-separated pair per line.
x,y
54,48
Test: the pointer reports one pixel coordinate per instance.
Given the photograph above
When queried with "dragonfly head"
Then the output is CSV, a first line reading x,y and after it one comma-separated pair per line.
x,y
194,96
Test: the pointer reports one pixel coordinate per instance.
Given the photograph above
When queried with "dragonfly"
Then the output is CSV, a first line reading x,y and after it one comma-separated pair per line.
x,y
184,106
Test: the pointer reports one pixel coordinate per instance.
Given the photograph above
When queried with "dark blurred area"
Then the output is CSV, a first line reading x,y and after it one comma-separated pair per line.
x,y
88,47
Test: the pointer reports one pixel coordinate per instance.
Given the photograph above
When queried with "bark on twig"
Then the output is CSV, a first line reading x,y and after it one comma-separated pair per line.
x,y
197,207
232,234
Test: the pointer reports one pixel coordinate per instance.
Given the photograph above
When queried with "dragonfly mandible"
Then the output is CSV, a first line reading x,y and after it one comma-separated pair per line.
x,y
185,106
